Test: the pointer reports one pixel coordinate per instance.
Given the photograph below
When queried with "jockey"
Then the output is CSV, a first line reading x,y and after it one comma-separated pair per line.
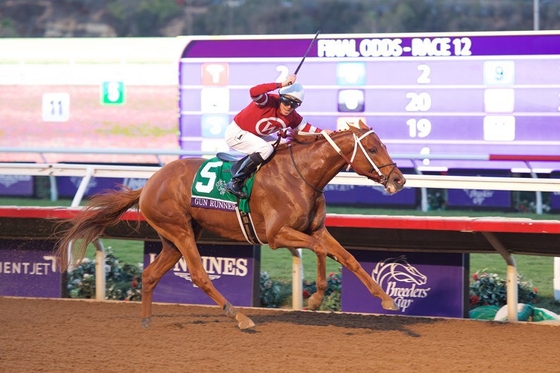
x,y
252,128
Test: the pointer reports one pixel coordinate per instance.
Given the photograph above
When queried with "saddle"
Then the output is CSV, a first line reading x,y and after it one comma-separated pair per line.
x,y
228,157
231,158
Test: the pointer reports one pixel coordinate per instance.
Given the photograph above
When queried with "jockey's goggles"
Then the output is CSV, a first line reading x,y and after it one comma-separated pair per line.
x,y
289,102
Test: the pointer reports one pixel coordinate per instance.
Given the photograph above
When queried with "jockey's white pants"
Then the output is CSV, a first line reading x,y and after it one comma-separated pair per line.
x,y
248,143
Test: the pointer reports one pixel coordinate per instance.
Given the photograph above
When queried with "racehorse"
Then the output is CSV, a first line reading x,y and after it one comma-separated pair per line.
x,y
287,205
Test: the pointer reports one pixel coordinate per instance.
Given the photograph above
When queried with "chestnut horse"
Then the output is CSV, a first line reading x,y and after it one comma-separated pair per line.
x,y
287,207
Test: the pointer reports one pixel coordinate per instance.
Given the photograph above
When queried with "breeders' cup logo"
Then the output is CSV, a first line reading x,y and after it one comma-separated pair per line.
x,y
401,281
77,181
134,183
478,196
338,188
216,267
9,180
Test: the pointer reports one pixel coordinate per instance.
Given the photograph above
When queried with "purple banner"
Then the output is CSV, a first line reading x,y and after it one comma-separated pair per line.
x,y
16,185
68,185
368,196
555,201
421,284
375,45
479,198
28,269
233,269
555,196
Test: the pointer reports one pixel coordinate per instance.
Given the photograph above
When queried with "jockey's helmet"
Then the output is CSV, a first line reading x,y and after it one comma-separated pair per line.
x,y
294,91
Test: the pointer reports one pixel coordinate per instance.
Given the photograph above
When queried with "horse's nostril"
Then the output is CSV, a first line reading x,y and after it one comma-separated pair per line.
x,y
399,181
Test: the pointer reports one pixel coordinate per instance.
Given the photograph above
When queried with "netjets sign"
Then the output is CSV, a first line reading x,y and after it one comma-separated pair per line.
x,y
28,269
421,284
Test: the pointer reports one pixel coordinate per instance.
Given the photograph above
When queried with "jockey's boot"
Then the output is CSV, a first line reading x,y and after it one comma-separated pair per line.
x,y
248,166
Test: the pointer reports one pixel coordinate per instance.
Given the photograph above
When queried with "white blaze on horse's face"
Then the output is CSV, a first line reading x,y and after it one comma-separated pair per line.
x,y
379,166
375,152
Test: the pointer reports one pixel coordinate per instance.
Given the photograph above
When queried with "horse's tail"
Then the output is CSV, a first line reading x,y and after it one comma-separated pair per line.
x,y
101,211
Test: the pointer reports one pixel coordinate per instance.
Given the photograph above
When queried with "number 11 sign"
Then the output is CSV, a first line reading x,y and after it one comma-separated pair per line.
x,y
56,107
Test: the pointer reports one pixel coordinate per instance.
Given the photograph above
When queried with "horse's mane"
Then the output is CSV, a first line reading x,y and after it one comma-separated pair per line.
x,y
303,138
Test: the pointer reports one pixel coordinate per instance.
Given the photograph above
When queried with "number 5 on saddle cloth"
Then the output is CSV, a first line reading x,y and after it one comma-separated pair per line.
x,y
210,183
209,191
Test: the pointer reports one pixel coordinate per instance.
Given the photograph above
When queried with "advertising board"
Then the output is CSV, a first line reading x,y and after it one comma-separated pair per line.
x,y
28,269
422,284
233,269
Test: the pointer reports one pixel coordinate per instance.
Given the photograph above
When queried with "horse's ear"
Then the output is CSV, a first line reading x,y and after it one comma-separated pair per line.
x,y
355,122
363,125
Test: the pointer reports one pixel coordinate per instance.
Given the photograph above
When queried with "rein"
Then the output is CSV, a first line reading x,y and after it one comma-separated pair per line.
x,y
299,173
378,176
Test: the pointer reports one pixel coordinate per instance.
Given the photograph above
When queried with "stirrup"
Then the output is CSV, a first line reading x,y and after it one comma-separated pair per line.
x,y
239,193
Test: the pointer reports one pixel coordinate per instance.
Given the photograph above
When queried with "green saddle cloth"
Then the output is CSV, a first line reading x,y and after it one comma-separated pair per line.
x,y
209,187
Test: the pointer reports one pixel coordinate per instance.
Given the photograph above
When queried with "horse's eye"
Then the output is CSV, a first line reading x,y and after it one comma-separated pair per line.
x,y
372,150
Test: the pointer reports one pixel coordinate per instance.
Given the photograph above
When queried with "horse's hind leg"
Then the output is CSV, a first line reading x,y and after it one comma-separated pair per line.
x,y
151,275
201,279
338,253
184,239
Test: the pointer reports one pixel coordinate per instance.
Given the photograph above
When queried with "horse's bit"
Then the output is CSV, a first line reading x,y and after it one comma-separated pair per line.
x,y
378,177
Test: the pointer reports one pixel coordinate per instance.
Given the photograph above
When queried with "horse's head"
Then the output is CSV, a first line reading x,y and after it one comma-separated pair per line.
x,y
402,271
371,159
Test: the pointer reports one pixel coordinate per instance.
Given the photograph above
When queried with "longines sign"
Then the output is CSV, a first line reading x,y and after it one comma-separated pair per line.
x,y
233,269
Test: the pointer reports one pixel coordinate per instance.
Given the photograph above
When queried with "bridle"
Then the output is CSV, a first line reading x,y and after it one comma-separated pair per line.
x,y
377,177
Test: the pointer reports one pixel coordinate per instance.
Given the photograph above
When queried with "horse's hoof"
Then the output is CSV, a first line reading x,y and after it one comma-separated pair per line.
x,y
146,322
389,305
314,303
244,322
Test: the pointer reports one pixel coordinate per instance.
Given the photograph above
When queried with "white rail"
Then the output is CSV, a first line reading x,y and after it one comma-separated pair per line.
x,y
462,182
345,178
77,170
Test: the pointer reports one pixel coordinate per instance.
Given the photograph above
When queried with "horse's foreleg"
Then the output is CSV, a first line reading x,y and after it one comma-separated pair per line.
x,y
289,237
341,255
151,275
316,299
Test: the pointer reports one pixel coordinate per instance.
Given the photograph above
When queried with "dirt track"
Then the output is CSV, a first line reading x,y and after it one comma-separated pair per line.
x,y
51,335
